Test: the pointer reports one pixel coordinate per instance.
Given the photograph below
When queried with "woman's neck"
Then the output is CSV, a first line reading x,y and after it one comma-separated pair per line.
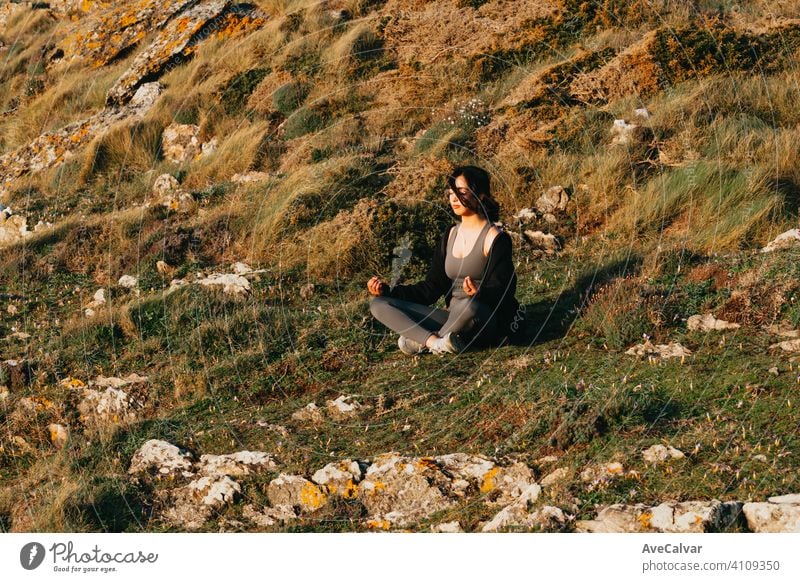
x,y
473,222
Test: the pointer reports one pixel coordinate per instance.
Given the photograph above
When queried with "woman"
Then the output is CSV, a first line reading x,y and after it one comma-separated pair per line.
x,y
472,267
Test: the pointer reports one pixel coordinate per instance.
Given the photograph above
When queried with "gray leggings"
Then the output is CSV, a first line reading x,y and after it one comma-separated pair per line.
x,y
471,319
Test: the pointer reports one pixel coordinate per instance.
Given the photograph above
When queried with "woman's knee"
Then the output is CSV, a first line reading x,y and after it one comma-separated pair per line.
x,y
377,305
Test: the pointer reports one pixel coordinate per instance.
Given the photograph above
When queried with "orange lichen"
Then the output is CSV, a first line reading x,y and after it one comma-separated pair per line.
x,y
311,496
644,520
488,480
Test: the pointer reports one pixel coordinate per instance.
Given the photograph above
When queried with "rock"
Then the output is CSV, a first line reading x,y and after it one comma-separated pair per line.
x,y
180,142
760,458
622,132
231,284
165,184
114,382
617,518
787,346
242,268
782,241
296,491
708,322
525,215
543,242
774,516
307,291
783,329
506,484
12,229
694,516
599,476
658,453
774,371
339,478
642,113
554,200
664,351
163,458
177,39
400,490
235,464
209,147
547,518
671,516
111,407
128,282
555,477
342,408
164,268
216,491
447,527
791,499
178,201
268,516
309,413
59,435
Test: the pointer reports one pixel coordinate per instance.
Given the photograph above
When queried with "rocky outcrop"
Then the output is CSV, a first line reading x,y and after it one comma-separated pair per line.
x,y
671,516
51,149
180,38
777,515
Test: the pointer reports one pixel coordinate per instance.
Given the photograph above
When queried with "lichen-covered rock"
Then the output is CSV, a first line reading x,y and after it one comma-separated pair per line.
x,y
214,491
517,515
53,148
777,515
401,490
59,435
554,477
339,478
708,322
12,229
467,471
115,382
507,484
180,144
296,491
235,464
128,281
660,453
162,458
670,516
110,407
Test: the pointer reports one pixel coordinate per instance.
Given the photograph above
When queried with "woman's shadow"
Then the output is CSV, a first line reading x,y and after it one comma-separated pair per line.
x,y
548,320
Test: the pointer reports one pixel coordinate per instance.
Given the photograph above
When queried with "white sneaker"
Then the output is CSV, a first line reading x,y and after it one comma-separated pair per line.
x,y
409,346
449,344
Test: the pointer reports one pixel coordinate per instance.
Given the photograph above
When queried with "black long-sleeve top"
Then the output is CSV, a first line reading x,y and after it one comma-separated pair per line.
x,y
497,288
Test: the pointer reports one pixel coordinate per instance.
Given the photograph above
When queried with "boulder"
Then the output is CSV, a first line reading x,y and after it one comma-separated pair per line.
x,y
777,515
162,458
783,240
400,490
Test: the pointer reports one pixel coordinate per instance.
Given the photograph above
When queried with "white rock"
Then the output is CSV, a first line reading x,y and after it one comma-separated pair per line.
x,y
708,322
782,241
788,345
128,281
242,268
772,517
541,241
216,491
235,464
231,284
555,199
114,382
342,407
658,453
164,184
339,478
309,413
525,215
622,132
268,516
791,499
447,527
294,490
554,477
162,456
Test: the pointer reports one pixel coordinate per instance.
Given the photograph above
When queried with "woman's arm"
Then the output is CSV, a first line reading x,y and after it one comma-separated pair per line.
x,y
435,284
501,277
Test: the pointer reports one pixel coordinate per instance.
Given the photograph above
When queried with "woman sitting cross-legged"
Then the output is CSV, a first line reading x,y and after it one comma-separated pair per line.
x,y
472,268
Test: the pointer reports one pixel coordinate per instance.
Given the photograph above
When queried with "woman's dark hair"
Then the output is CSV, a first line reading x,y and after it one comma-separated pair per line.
x,y
480,200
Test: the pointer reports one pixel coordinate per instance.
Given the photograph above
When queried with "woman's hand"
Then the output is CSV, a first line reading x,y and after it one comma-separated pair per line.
x,y
470,288
375,286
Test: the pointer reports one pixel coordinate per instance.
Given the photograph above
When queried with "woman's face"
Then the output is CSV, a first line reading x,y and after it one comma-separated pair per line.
x,y
458,208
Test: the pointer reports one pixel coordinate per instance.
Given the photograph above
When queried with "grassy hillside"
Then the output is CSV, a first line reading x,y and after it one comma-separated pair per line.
x,y
355,110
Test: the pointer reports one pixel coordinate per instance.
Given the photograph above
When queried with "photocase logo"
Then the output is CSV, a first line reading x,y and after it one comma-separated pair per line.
x,y
31,556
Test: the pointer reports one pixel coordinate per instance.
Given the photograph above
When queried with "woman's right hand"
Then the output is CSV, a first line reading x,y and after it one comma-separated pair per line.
x,y
375,286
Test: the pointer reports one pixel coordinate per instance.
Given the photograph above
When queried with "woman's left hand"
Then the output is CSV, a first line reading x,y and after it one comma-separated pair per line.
x,y
470,288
